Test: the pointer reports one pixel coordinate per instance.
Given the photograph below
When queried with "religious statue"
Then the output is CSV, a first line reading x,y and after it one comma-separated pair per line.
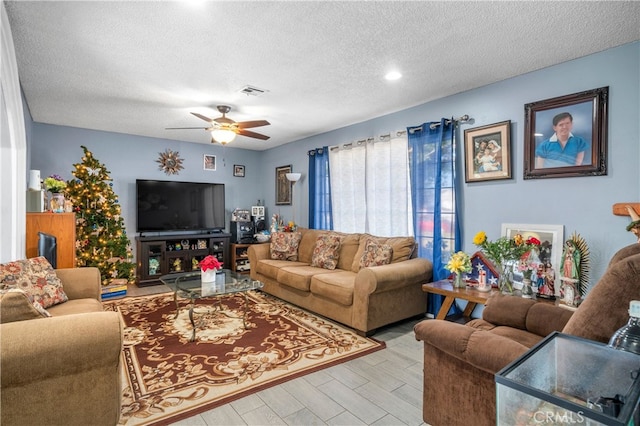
x,y
574,270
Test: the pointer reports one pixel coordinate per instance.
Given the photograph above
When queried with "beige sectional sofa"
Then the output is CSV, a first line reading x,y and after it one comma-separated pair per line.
x,y
60,366
363,298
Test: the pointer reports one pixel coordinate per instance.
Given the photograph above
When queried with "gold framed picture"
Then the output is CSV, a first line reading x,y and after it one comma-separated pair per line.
x,y
487,152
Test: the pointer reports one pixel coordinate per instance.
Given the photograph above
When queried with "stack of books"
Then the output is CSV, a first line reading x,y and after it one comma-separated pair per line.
x,y
117,288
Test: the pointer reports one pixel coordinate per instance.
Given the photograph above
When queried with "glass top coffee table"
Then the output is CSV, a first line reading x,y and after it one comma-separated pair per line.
x,y
190,285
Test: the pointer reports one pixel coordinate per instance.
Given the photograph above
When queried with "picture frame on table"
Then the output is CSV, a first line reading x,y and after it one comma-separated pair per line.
x,y
488,152
583,117
551,239
283,186
238,170
209,162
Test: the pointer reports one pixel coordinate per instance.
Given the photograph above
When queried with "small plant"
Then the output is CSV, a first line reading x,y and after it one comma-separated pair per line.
x,y
55,184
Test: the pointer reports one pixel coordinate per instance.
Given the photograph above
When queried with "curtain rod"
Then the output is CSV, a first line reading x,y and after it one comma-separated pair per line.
x,y
371,139
432,126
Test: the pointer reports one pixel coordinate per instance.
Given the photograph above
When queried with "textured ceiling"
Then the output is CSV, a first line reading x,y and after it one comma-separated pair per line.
x,y
139,67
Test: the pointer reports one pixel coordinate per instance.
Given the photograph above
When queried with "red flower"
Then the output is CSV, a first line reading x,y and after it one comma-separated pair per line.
x,y
210,262
534,241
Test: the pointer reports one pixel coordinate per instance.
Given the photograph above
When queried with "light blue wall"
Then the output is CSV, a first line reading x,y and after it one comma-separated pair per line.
x,y
581,204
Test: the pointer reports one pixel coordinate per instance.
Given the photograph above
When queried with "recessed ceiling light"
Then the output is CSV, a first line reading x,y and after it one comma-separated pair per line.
x,y
393,75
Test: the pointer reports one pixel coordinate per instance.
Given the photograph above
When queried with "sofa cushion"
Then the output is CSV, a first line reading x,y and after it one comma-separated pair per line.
x,y
326,251
335,285
506,310
18,305
299,277
284,245
375,254
76,306
35,276
403,248
270,267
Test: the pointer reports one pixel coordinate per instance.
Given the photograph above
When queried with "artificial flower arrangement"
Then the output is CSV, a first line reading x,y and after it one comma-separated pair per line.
x,y
459,262
55,184
504,248
290,227
210,262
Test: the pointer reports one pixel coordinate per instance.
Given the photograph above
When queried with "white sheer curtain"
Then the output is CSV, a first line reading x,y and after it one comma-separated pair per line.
x,y
13,149
370,186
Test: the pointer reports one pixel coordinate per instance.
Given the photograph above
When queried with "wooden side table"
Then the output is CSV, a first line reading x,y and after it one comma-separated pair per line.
x,y
446,289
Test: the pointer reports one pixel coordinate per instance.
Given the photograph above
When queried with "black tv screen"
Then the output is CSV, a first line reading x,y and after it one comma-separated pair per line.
x,y
179,206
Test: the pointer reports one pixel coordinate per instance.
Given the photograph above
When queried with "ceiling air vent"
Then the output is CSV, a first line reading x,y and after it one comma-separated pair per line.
x,y
253,91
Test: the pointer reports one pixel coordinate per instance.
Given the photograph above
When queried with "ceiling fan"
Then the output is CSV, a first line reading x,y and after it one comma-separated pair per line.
x,y
224,130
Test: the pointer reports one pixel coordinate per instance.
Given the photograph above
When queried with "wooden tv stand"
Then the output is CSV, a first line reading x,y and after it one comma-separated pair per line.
x,y
165,254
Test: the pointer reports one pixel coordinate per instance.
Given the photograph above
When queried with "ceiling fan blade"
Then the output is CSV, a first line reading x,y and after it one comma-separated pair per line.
x,y
180,128
251,134
202,117
254,123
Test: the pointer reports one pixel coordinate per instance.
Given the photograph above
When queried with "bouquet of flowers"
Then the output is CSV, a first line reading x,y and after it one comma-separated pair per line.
x,y
210,262
459,262
54,184
504,248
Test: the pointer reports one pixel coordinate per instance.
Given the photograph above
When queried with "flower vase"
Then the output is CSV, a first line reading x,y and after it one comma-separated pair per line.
x,y
208,276
57,202
458,281
505,280
527,291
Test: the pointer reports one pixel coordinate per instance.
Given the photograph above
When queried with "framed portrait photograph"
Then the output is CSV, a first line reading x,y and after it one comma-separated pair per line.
x,y
567,136
210,162
551,244
238,170
283,186
487,152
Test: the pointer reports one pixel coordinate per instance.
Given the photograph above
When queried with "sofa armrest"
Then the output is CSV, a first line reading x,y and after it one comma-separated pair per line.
x,y
482,349
43,349
258,252
382,278
75,356
80,283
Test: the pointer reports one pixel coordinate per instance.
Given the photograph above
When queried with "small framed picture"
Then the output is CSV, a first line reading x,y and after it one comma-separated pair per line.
x,y
210,162
567,136
238,170
283,186
487,152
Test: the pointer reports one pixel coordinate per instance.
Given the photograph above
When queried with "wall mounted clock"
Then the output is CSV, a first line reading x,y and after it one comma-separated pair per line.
x,y
170,162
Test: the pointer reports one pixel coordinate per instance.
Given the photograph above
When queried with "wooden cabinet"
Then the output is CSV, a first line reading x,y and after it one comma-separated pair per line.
x,y
60,225
240,258
166,254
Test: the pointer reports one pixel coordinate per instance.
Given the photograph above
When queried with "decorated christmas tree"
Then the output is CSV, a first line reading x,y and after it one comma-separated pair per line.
x,y
101,239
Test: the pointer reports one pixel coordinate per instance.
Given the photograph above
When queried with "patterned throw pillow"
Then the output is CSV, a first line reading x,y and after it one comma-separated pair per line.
x,y
326,251
376,254
36,277
284,245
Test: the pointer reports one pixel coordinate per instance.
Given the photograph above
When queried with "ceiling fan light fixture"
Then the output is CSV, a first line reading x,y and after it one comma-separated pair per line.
x,y
223,136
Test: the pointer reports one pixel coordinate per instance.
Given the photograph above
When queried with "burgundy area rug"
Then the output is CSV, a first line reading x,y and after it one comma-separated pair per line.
x,y
166,377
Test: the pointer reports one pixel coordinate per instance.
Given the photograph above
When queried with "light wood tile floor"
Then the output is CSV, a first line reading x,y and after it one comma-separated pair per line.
x,y
383,388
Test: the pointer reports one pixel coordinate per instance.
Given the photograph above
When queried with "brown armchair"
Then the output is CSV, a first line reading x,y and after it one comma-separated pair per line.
x,y
460,361
62,370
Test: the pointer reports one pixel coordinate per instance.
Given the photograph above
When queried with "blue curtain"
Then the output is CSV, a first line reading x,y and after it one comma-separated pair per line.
x,y
432,173
320,216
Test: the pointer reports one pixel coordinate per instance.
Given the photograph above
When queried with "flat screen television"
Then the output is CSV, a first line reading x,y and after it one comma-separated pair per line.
x,y
166,206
